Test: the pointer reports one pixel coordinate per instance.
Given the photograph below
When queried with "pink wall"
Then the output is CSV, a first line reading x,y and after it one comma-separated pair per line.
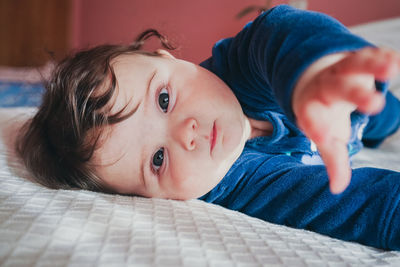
x,y
196,25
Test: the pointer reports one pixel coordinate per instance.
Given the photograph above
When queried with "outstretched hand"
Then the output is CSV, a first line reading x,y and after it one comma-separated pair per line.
x,y
325,98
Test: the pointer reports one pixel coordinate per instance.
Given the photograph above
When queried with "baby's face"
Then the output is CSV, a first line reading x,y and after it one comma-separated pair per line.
x,y
186,133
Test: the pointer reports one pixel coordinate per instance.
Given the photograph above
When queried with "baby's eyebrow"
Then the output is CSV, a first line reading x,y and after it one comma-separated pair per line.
x,y
146,95
141,174
143,157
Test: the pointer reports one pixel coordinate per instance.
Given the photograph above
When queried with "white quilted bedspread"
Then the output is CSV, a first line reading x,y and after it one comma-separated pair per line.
x,y
43,227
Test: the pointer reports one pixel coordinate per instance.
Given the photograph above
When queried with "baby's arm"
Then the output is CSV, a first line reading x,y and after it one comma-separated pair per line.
x,y
326,94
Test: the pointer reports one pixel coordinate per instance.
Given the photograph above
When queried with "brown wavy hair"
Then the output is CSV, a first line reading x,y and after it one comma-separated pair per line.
x,y
56,145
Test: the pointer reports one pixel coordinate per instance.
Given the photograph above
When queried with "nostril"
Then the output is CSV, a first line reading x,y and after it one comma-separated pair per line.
x,y
192,143
194,123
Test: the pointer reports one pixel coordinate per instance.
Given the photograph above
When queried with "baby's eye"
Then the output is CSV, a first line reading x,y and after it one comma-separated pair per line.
x,y
158,159
163,100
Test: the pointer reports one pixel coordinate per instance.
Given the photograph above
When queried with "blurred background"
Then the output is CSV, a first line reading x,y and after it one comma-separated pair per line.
x,y
34,31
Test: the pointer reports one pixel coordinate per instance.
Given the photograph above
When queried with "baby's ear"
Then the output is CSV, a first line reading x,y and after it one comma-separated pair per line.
x,y
164,53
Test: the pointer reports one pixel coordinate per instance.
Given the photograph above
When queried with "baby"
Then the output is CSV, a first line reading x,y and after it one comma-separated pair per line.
x,y
235,130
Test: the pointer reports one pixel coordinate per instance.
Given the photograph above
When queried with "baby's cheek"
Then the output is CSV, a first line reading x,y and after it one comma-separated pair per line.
x,y
191,183
179,176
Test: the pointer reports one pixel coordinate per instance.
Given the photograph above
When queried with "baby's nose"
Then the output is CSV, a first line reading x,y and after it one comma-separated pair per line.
x,y
186,133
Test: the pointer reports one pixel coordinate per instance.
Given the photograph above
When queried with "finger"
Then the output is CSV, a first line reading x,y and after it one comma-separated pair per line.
x,y
330,88
358,90
314,121
366,101
335,156
382,63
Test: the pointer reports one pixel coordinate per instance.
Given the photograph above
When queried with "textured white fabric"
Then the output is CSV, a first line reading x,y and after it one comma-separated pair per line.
x,y
43,227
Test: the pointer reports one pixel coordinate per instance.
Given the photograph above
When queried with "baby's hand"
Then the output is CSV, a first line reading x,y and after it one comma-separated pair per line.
x,y
326,95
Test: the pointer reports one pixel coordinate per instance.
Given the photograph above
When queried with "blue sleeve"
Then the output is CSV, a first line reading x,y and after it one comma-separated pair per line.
x,y
383,124
282,190
263,62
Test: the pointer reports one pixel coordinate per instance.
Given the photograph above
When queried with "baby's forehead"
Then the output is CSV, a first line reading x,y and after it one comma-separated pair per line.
x,y
131,73
125,100
135,57
111,146
118,157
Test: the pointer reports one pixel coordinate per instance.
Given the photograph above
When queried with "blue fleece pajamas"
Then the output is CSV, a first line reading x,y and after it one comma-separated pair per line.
x,y
280,178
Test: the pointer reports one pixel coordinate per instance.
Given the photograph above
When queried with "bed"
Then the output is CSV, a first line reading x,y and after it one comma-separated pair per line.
x,y
43,227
